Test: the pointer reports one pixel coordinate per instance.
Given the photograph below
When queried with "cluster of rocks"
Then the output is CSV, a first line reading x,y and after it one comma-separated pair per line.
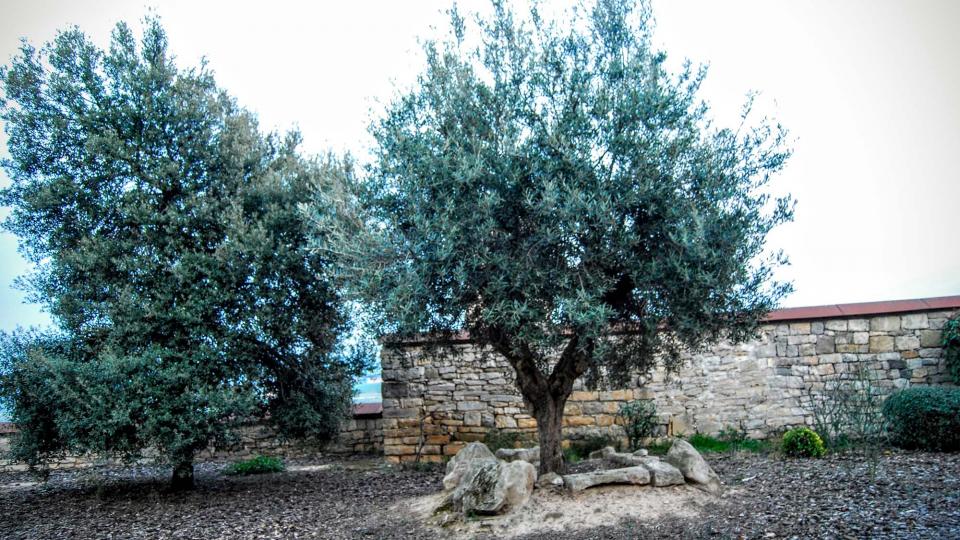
x,y
479,482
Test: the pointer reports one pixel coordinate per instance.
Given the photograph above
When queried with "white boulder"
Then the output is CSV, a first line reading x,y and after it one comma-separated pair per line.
x,y
691,464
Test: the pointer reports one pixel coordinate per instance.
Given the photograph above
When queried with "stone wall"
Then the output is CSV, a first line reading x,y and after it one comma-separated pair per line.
x,y
433,404
361,434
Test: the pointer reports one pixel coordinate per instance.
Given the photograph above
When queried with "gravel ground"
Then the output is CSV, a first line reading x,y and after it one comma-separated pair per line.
x,y
915,495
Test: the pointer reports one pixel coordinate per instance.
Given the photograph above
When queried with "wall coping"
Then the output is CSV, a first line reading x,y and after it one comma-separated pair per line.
x,y
864,309
360,410
830,311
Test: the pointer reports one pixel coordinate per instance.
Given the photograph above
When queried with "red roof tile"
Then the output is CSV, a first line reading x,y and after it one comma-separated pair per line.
x,y
864,308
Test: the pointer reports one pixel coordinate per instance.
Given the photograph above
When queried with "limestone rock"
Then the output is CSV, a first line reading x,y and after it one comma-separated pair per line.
x,y
629,475
530,455
491,486
551,479
457,466
602,453
641,452
663,474
685,457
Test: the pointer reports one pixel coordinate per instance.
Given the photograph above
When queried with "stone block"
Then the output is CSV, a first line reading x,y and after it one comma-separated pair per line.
x,y
858,325
504,421
931,338
825,345
799,328
575,421
605,420
616,395
582,395
527,423
904,343
837,325
399,450
884,324
471,406
471,418
881,343
915,321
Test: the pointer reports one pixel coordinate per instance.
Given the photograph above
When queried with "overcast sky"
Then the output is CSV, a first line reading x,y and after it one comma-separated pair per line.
x,y
869,89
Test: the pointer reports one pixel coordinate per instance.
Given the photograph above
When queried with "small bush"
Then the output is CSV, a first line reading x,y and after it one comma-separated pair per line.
x,y
730,440
639,420
257,465
924,417
803,442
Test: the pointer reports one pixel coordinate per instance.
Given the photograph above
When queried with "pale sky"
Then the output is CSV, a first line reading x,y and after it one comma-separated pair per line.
x,y
869,89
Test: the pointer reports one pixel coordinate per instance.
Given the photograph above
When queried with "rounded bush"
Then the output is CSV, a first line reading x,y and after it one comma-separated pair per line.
x,y
803,442
924,418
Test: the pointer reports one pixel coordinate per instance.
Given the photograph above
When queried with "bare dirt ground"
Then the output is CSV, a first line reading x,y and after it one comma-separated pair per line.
x,y
915,495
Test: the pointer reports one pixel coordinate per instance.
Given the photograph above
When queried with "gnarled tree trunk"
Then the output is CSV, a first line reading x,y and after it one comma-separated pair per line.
x,y
549,415
547,395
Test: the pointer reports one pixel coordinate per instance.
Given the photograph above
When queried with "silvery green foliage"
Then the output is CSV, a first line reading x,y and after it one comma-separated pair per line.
x,y
168,248
552,187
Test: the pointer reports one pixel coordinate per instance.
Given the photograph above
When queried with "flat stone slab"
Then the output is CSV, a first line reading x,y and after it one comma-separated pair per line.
x,y
664,474
639,476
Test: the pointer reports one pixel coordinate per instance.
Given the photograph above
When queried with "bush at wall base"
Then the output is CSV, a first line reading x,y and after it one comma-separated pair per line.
x,y
803,442
924,418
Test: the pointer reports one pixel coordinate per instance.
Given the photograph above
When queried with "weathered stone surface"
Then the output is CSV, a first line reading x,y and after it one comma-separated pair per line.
x,y
638,475
550,480
931,338
602,453
663,474
491,486
530,455
915,321
641,452
884,324
880,344
458,466
627,460
685,457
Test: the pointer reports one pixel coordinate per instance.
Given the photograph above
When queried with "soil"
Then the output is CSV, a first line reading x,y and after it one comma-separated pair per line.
x,y
913,495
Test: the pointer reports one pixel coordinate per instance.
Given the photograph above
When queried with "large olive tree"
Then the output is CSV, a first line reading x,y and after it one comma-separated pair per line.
x,y
554,191
169,251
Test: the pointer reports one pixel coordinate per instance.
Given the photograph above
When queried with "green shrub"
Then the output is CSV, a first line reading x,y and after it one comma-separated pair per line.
x,y
924,417
639,420
803,442
951,347
257,465
729,440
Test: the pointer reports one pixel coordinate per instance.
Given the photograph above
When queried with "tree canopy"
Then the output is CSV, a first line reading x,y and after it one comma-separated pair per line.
x,y
168,247
553,190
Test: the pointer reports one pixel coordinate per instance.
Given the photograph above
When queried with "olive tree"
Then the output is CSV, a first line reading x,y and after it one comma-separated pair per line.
x,y
169,251
554,191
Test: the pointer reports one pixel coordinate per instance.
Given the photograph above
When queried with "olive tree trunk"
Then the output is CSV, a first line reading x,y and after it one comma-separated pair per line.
x,y
549,415
545,395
